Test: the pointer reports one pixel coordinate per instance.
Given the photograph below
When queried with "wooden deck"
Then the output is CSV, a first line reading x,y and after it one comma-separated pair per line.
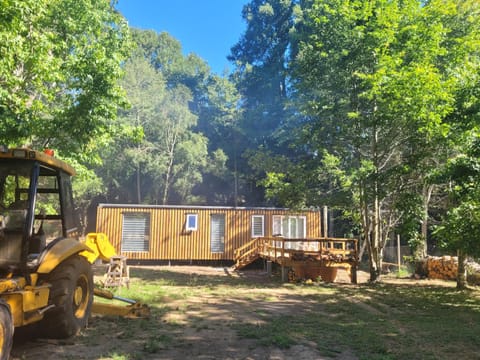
x,y
308,258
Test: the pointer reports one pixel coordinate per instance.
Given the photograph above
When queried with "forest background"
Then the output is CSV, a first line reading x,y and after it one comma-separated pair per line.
x,y
369,107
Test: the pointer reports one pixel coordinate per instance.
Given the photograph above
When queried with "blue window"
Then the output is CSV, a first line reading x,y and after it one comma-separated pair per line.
x,y
192,222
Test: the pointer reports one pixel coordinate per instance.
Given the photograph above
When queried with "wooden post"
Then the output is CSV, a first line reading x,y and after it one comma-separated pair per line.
x,y
282,261
398,254
354,268
331,220
353,274
269,268
325,221
283,251
284,274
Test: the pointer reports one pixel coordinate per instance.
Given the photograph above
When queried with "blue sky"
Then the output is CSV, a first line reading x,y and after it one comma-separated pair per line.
x,y
208,28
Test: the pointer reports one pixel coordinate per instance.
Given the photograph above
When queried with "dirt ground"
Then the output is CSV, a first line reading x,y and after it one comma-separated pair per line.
x,y
199,327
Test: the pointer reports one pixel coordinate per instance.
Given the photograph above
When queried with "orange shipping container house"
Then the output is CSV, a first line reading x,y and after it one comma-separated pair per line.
x,y
150,233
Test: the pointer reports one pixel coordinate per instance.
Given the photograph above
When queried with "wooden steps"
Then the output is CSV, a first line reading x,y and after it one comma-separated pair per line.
x,y
246,261
247,253
302,255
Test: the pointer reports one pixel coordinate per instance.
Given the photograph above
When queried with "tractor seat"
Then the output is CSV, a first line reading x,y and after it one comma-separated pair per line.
x,y
32,261
38,242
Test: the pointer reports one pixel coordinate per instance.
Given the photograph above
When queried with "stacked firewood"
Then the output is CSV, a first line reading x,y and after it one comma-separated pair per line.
x,y
444,267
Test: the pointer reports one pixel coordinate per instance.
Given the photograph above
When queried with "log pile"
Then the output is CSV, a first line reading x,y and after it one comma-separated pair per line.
x,y
444,267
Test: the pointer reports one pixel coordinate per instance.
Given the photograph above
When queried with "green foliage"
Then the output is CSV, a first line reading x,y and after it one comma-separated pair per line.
x,y
461,225
162,150
158,126
460,229
412,210
282,188
416,242
378,82
59,66
261,59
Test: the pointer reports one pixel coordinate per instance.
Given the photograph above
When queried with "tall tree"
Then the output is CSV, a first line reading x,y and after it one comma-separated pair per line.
x,y
461,222
458,232
162,156
59,66
214,102
261,59
176,121
218,116
145,89
371,79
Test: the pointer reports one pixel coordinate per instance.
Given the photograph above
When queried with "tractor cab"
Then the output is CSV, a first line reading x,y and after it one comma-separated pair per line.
x,y
45,271
36,207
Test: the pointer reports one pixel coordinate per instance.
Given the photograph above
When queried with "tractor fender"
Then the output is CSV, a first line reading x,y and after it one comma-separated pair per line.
x,y
57,252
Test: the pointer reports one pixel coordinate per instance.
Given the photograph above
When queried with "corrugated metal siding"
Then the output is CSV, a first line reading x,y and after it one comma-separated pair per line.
x,y
170,241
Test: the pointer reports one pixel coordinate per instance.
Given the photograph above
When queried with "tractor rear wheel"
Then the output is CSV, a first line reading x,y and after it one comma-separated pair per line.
x,y
72,295
6,330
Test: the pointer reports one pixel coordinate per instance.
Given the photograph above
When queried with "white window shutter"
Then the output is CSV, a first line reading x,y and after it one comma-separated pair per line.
x,y
258,226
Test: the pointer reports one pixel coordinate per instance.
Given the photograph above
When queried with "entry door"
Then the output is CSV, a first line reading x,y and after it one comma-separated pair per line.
x,y
217,233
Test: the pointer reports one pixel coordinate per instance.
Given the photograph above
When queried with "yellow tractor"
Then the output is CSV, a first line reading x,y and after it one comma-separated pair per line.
x,y
45,277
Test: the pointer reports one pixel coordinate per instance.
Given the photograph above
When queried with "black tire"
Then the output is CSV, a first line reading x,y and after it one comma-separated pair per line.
x,y
72,295
6,330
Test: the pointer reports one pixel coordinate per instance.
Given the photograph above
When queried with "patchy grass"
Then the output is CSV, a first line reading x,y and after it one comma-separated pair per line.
x,y
213,313
384,321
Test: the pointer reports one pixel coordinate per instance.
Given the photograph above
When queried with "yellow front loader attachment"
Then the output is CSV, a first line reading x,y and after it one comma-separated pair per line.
x,y
101,248
133,310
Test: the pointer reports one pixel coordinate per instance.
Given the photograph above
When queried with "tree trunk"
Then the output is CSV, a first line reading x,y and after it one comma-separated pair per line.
x,y
462,271
427,194
374,253
371,232
167,181
139,193
374,268
376,237
376,240
168,173
139,190
375,258
363,246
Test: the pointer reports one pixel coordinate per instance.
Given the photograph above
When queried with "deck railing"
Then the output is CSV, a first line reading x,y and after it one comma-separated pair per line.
x,y
285,250
248,252
332,249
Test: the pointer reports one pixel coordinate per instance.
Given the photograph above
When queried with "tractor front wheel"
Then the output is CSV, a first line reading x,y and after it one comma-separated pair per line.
x,y
6,330
72,295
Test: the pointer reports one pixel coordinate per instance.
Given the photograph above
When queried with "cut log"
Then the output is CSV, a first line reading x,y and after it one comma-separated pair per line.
x,y
445,267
